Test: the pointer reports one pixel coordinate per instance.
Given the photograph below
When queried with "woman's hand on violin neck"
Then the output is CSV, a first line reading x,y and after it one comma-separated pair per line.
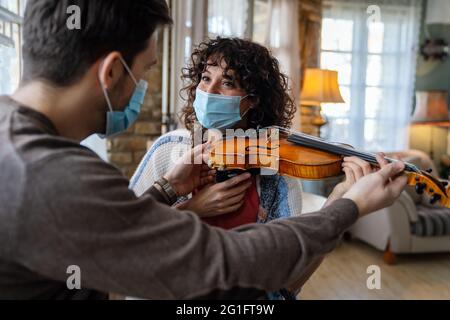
x,y
380,189
221,198
354,169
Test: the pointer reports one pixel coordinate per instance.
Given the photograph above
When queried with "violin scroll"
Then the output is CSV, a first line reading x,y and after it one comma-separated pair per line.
x,y
425,183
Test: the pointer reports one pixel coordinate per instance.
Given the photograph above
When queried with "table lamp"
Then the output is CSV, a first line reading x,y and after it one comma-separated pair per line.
x,y
320,86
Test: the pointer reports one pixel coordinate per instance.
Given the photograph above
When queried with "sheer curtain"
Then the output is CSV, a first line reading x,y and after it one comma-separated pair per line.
x,y
376,59
283,40
230,18
189,30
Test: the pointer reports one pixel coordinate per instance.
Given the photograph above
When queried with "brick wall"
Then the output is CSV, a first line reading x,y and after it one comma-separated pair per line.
x,y
310,34
127,150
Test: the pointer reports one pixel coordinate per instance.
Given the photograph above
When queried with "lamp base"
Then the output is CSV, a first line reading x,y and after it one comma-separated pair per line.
x,y
320,120
313,119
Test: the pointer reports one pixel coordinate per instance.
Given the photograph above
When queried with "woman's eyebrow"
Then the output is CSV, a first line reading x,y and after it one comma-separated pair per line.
x,y
228,77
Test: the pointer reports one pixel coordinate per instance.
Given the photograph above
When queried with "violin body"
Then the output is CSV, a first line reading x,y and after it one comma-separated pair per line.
x,y
284,158
301,156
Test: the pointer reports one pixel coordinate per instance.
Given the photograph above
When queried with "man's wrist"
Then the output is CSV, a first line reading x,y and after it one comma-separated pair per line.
x,y
173,185
166,189
357,203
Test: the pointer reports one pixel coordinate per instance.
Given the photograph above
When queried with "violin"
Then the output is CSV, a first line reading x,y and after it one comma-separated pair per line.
x,y
277,150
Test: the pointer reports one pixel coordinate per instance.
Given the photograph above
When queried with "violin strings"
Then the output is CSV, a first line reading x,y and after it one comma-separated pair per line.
x,y
338,150
332,148
324,145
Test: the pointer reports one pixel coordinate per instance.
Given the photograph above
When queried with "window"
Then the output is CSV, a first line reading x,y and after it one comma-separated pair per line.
x,y
10,44
238,18
376,63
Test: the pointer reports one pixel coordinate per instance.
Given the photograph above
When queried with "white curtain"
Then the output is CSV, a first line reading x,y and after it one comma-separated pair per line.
x,y
373,44
189,30
230,18
283,40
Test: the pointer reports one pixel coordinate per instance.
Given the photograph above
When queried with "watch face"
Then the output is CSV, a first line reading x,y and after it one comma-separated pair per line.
x,y
168,190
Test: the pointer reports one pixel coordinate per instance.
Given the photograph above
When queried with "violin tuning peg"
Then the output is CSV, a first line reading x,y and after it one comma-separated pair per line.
x,y
429,170
435,198
444,183
420,188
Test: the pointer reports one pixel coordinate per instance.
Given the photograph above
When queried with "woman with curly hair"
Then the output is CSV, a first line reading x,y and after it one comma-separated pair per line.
x,y
235,84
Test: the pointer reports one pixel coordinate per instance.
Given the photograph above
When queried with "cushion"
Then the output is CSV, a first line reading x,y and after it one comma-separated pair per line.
x,y
433,222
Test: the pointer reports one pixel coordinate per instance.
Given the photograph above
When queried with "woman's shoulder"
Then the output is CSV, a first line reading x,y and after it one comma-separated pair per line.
x,y
177,136
170,140
161,156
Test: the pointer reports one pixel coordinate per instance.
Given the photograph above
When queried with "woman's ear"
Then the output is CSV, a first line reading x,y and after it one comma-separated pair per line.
x,y
111,70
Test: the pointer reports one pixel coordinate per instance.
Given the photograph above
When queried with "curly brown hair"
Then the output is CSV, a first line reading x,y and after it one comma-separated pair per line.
x,y
256,71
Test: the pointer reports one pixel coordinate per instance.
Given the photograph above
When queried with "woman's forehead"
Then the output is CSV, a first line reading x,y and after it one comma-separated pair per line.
x,y
213,66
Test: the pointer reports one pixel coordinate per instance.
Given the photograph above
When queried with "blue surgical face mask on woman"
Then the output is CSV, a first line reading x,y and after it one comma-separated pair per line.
x,y
119,121
215,111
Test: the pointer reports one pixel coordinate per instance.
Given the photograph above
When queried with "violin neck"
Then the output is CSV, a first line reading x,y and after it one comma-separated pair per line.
x,y
338,149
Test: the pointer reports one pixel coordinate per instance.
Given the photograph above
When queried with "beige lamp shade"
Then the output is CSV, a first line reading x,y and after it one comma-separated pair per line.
x,y
431,107
320,86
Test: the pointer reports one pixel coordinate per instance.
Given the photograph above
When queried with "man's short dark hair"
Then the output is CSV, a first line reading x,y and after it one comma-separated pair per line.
x,y
54,53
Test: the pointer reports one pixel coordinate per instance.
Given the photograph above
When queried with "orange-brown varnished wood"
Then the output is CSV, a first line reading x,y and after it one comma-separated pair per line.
x,y
284,157
431,189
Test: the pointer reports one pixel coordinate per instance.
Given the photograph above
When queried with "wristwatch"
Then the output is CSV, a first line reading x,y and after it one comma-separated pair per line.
x,y
167,191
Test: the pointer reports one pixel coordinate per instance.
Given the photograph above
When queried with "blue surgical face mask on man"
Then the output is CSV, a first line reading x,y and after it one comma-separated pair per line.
x,y
215,111
119,121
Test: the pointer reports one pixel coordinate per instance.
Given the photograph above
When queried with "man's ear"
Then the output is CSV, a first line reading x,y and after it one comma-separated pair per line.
x,y
111,70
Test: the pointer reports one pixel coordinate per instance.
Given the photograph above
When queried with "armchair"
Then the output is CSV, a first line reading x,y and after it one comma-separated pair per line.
x,y
411,225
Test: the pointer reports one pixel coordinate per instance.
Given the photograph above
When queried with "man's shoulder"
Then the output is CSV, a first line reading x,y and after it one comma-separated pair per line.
x,y
32,138
44,148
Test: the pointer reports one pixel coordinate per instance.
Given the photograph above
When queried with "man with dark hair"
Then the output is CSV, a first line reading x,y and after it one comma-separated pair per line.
x,y
62,208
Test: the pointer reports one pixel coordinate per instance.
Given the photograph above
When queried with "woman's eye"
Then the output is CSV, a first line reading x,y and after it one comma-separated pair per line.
x,y
228,84
205,79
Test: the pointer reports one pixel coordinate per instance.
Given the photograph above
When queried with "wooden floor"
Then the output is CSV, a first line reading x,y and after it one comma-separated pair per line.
x,y
343,276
